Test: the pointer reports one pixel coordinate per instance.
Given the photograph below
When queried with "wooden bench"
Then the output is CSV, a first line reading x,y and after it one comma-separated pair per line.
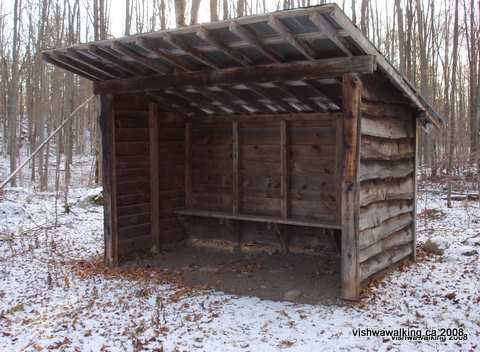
x,y
255,218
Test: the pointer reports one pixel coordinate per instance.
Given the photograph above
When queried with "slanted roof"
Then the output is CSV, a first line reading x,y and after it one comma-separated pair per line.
x,y
256,64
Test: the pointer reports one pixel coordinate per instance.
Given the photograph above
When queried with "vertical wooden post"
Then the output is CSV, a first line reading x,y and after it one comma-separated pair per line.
x,y
188,165
235,226
283,229
352,93
235,176
109,179
154,176
417,127
284,167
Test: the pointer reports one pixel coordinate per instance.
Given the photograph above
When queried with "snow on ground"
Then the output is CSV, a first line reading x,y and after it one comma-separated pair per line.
x,y
54,294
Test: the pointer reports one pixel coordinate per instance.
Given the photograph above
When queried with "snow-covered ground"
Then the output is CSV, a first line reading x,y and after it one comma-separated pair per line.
x,y
55,294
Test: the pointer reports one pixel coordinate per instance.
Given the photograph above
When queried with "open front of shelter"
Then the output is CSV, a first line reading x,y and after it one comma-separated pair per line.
x,y
288,128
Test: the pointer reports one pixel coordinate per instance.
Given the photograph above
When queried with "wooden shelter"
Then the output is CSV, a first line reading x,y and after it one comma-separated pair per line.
x,y
289,124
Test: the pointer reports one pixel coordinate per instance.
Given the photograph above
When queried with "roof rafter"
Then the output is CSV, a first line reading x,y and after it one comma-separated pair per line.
x,y
224,48
148,45
244,34
194,52
285,33
112,59
78,66
329,31
81,57
140,59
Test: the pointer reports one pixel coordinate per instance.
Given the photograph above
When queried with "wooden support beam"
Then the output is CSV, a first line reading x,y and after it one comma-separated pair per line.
x,y
272,117
255,218
86,70
194,52
139,59
154,176
282,230
149,45
352,93
244,34
82,58
112,59
329,31
285,33
418,128
284,182
224,48
293,71
235,170
109,174
46,57
188,165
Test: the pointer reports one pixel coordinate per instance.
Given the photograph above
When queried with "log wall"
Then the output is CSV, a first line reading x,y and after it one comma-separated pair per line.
x,y
387,180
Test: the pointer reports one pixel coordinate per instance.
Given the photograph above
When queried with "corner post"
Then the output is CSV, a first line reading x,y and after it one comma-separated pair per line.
x,y
109,178
154,176
417,128
352,94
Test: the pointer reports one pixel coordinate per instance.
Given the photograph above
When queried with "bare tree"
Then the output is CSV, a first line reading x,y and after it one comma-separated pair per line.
x,y
194,11
180,13
12,95
451,142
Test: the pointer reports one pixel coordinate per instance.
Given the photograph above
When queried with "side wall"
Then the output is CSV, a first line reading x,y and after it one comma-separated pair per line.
x,y
146,196
387,180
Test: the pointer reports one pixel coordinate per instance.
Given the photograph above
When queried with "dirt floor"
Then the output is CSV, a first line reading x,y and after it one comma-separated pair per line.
x,y
301,278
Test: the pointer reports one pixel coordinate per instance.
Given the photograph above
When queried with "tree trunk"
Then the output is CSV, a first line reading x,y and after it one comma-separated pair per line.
x,y
12,107
453,106
180,13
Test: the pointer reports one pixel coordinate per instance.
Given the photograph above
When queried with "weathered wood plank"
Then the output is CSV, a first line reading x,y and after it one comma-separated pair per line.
x,y
352,93
188,165
265,219
395,239
301,70
384,260
109,157
374,170
235,169
386,127
417,126
386,149
375,214
154,176
284,179
382,190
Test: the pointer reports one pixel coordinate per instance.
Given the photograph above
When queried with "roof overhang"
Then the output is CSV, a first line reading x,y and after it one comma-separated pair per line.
x,y
287,61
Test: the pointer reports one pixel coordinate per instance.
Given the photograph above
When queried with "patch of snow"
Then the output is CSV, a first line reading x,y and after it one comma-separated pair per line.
x,y
45,305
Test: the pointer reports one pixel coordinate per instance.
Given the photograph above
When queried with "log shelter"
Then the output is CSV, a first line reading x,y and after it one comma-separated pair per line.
x,y
289,125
